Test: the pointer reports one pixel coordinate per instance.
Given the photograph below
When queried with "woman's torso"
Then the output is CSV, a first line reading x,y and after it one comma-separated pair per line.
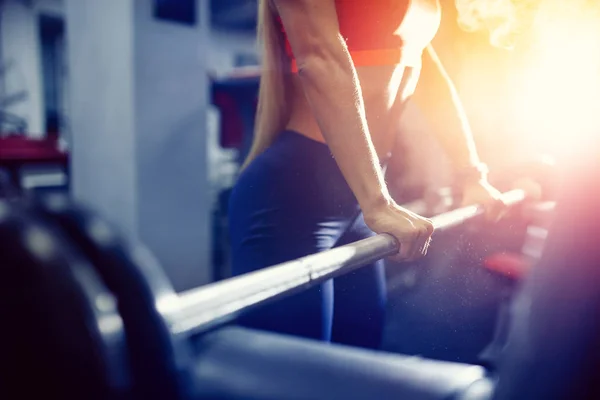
x,y
386,39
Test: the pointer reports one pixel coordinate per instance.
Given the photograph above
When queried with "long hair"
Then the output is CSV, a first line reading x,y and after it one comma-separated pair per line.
x,y
272,112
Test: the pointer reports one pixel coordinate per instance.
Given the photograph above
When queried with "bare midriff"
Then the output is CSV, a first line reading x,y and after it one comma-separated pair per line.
x,y
380,91
385,39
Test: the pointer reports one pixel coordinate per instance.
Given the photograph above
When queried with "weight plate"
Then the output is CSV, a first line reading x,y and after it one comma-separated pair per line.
x,y
62,335
146,300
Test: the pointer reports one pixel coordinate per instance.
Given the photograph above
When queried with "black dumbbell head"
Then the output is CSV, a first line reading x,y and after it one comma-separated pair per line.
x,y
61,334
146,300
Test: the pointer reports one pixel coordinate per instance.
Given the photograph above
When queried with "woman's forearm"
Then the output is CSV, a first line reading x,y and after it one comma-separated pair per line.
x,y
333,91
438,100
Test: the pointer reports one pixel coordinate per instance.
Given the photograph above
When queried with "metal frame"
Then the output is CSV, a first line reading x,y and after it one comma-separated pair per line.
x,y
207,306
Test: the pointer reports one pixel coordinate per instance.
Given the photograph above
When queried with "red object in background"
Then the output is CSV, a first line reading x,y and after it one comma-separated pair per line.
x,y
232,128
514,266
236,96
23,150
19,151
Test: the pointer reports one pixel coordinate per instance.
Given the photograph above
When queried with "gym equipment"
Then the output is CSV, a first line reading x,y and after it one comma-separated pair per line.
x,y
166,332
204,307
553,343
158,322
18,153
238,363
552,351
446,306
148,304
60,325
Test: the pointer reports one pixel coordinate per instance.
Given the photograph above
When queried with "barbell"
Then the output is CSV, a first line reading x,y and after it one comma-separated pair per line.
x,y
127,294
552,351
203,308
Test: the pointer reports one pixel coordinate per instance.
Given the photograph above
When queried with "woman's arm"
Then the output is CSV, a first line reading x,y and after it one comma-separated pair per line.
x,y
333,91
438,100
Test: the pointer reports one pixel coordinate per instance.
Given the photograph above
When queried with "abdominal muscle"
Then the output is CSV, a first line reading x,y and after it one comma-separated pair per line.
x,y
380,90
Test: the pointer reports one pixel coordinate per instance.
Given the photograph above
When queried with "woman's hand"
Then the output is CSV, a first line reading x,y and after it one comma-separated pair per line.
x,y
484,194
412,231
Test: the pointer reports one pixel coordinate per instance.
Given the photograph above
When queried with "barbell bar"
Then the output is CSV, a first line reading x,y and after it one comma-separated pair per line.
x,y
208,306
159,323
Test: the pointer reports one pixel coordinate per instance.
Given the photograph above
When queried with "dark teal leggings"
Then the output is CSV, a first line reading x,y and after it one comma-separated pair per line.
x,y
293,201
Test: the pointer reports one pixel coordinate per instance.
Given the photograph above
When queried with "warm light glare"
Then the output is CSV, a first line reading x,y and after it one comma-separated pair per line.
x,y
504,20
557,96
546,96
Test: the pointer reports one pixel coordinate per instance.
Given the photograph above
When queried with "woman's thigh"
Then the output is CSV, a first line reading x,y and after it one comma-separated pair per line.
x,y
360,298
292,201
306,314
284,235
267,231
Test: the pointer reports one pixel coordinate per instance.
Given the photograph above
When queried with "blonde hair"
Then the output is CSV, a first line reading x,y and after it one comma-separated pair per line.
x,y
273,112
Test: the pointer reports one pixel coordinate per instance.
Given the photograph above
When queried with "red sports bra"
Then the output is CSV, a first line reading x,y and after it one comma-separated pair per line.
x,y
385,32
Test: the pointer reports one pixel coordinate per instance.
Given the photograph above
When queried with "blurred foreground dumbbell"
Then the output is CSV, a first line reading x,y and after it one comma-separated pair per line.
x,y
91,315
88,316
87,312
61,331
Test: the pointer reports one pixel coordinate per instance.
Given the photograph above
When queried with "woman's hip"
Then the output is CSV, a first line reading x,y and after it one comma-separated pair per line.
x,y
296,187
